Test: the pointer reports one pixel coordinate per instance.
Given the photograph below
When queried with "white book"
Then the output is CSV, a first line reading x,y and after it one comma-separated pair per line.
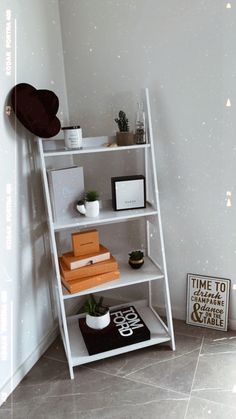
x,y
66,187
75,262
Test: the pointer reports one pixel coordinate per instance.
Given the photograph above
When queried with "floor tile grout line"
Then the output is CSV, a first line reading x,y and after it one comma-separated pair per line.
x,y
125,363
149,365
212,388
218,353
54,359
156,386
164,360
214,402
137,381
194,375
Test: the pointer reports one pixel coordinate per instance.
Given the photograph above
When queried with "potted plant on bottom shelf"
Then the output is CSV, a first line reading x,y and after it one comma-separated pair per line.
x,y
90,205
97,315
136,259
124,137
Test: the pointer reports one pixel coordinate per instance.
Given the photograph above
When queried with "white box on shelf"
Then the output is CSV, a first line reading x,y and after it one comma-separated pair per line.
x,y
66,187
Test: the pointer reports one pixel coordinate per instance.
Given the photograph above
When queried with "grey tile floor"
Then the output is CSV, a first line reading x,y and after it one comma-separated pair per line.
x,y
197,381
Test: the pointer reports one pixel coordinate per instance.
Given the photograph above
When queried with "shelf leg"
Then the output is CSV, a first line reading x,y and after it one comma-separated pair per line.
x,y
166,285
57,278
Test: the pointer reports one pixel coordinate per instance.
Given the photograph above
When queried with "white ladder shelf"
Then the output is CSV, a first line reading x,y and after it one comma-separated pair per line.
x,y
152,269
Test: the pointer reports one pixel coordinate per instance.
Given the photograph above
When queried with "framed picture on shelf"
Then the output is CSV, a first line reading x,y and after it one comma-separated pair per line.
x,y
128,192
207,301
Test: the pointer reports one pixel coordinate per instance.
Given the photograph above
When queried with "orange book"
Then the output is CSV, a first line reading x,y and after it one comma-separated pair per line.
x,y
85,242
89,270
78,285
75,262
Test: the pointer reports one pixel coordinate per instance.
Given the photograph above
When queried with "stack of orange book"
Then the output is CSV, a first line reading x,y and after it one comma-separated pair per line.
x,y
88,265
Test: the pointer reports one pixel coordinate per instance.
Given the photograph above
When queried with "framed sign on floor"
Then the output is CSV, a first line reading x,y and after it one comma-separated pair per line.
x,y
207,301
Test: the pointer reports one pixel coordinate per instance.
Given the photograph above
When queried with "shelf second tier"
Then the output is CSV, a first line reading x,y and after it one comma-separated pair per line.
x,y
106,216
128,276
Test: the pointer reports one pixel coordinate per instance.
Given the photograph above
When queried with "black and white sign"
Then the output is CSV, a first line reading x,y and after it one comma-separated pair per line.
x,y
128,192
208,301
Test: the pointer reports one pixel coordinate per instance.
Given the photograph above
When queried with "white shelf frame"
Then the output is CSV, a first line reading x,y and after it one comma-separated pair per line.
x,y
89,150
151,272
106,216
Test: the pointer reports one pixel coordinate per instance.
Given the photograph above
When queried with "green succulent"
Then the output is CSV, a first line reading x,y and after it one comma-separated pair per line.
x,y
136,255
91,196
95,308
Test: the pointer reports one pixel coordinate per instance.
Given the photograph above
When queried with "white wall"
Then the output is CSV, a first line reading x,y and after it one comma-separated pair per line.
x,y
183,51
26,318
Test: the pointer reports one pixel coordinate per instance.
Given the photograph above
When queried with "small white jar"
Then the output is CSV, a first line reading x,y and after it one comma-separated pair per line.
x,y
73,137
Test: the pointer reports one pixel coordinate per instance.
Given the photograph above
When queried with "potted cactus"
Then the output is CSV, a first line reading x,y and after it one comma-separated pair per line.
x,y
89,206
136,259
97,315
123,136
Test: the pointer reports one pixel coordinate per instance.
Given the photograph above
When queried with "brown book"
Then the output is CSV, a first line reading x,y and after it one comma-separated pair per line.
x,y
90,270
78,285
75,262
85,242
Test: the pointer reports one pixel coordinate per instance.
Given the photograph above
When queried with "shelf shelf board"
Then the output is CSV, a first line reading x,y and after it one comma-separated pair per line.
x,y
128,276
89,150
78,348
106,216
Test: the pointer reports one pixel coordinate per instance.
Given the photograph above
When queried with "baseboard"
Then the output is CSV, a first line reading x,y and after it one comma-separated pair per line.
x,y
179,314
232,324
26,366
176,313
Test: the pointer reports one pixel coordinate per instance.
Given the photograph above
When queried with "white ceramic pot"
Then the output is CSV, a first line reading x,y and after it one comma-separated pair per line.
x,y
92,208
72,137
99,322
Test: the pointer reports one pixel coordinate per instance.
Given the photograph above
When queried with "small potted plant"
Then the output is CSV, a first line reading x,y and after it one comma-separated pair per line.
x,y
89,206
124,136
136,259
80,206
97,315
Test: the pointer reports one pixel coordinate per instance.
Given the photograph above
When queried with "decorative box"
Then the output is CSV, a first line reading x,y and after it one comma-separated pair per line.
x,y
128,192
89,270
77,285
75,262
85,243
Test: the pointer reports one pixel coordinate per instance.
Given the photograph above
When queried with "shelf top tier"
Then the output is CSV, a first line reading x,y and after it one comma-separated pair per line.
x,y
53,148
106,216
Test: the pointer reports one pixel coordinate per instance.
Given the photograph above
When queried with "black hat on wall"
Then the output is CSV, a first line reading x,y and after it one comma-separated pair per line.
x,y
36,109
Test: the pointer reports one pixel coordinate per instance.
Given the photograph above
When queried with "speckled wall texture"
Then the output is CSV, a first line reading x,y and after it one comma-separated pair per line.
x,y
183,50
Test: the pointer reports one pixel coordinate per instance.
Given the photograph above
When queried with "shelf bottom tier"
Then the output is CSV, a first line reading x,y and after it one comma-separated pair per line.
x,y
79,351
